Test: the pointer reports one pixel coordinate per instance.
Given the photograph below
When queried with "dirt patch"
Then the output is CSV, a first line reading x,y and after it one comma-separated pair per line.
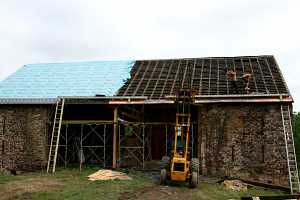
x,y
23,189
157,192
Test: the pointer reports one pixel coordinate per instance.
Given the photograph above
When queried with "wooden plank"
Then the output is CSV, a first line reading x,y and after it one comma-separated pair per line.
x,y
133,79
156,83
218,77
262,76
243,67
200,84
150,78
254,80
142,79
225,60
65,122
210,61
280,197
271,75
193,73
175,79
169,71
115,132
184,74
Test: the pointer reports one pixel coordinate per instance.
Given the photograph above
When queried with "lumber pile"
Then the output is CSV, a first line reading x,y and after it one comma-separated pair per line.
x,y
105,174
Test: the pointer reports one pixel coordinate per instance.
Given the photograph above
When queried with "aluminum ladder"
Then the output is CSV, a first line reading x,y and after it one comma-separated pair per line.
x,y
290,149
55,135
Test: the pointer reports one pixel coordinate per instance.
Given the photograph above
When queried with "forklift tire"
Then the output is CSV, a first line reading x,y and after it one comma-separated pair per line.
x,y
165,162
194,180
163,176
195,165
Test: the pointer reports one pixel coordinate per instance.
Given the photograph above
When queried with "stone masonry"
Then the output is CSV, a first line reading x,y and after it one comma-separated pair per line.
x,y
244,141
23,137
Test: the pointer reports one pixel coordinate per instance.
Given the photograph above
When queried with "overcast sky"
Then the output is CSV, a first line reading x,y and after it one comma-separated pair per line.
x,y
35,31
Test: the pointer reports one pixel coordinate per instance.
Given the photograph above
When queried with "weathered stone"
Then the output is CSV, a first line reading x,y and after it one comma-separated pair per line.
x,y
23,137
244,141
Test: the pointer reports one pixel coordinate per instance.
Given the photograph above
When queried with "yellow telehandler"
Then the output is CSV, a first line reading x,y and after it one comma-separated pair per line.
x,y
180,166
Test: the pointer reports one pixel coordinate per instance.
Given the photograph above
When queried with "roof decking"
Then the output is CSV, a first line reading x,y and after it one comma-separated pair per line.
x,y
207,76
38,83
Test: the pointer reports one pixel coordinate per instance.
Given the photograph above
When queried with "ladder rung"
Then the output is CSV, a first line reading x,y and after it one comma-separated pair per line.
x,y
55,135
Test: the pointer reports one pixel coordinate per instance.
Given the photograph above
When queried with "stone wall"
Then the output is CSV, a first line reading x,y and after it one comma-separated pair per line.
x,y
244,141
23,136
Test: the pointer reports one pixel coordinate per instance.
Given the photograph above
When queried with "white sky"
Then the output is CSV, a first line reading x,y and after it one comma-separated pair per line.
x,y
34,31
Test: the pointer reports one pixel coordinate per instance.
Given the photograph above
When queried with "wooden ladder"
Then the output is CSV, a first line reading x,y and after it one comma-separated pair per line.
x,y
290,149
55,135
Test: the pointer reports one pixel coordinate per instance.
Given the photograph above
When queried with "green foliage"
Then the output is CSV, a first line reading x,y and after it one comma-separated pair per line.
x,y
297,135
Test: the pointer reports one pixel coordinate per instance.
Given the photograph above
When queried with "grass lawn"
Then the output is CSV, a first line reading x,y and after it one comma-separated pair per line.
x,y
70,184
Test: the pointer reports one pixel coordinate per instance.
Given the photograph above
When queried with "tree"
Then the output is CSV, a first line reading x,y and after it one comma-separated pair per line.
x,y
297,135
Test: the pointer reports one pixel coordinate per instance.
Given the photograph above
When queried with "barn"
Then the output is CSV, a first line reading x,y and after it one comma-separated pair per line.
x,y
122,114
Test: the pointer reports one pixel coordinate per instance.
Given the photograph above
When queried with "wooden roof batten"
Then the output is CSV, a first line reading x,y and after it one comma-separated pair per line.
x,y
207,77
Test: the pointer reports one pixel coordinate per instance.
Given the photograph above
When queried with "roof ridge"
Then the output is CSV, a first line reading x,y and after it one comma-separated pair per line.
x,y
79,61
206,57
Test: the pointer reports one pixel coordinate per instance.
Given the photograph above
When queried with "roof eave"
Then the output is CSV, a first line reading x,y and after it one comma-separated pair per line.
x,y
4,101
115,100
215,99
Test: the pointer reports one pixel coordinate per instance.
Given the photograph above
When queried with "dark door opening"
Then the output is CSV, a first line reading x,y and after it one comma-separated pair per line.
x,y
158,142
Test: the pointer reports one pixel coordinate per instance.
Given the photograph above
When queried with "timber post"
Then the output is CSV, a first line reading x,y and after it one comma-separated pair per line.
x,y
115,132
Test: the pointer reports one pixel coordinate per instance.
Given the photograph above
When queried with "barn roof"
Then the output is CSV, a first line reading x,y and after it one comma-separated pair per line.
x,y
149,81
208,76
45,82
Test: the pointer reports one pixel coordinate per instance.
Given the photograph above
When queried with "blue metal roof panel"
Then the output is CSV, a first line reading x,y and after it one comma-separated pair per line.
x,y
66,79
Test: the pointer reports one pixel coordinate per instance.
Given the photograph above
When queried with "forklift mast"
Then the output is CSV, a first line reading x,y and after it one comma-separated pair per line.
x,y
183,101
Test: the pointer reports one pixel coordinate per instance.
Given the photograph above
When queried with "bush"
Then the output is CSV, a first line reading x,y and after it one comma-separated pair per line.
x,y
297,135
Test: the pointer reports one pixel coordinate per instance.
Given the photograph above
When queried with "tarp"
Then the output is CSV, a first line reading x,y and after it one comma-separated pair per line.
x,y
51,80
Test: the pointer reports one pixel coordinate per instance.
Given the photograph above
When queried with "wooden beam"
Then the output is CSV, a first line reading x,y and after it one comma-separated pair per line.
x,y
115,132
87,122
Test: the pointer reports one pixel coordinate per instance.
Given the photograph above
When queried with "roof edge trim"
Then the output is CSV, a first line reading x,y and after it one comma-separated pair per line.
x,y
27,101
